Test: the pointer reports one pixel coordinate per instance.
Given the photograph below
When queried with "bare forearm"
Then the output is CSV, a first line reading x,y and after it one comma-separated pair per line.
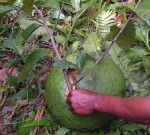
x,y
136,109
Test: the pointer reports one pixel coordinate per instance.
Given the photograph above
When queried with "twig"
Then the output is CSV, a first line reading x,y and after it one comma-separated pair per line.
x,y
110,45
38,116
59,15
13,112
3,100
46,131
26,14
54,45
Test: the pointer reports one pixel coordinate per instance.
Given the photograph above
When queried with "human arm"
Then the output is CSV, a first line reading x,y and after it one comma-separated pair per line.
x,y
136,109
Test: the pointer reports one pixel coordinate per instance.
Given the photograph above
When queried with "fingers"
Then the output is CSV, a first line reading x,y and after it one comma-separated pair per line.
x,y
71,108
68,100
80,111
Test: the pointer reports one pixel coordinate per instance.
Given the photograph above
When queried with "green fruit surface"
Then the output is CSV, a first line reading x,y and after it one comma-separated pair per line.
x,y
108,79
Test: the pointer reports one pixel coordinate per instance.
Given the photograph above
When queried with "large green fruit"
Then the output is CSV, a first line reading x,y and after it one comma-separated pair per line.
x,y
107,79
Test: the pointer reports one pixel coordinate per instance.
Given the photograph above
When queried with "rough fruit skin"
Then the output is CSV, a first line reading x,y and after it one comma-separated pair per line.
x,y
108,79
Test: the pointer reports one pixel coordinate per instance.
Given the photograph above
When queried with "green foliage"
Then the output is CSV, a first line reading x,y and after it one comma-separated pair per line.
x,y
73,48
137,52
104,21
52,4
84,7
80,59
62,131
143,10
15,44
28,6
12,80
76,3
31,61
21,34
43,122
29,30
21,94
146,63
142,34
63,64
6,2
126,38
5,9
60,39
91,45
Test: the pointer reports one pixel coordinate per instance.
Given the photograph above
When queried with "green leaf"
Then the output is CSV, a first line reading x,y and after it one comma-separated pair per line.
x,y
84,7
55,14
137,52
142,34
80,59
71,58
28,6
63,64
15,44
29,30
21,94
91,45
143,91
73,48
32,60
88,73
52,4
43,122
133,127
142,10
126,38
12,80
76,3
143,13
60,39
114,6
7,2
1,16
62,131
26,131
5,9
146,63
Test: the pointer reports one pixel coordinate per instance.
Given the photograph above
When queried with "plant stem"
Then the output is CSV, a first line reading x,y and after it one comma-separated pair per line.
x,y
50,33
59,15
26,14
110,45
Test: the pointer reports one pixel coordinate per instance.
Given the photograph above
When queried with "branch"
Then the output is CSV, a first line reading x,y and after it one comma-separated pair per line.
x,y
59,15
110,45
50,33
26,14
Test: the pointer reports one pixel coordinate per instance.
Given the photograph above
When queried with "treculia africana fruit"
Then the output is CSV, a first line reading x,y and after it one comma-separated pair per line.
x,y
107,79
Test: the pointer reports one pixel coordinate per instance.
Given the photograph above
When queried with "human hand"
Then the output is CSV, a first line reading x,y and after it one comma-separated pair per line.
x,y
82,102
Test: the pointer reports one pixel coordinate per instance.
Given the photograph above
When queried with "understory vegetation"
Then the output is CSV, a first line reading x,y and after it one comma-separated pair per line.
x,y
37,35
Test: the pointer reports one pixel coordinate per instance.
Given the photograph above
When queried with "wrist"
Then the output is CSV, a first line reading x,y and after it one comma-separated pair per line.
x,y
106,103
99,103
